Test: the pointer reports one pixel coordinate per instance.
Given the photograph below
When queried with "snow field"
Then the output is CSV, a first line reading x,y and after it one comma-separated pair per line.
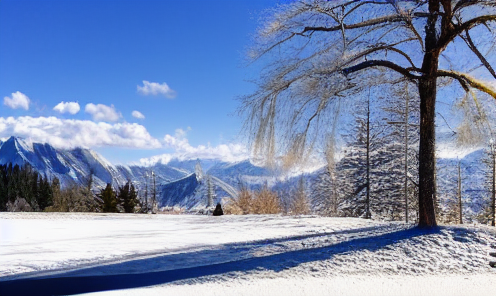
x,y
440,285
260,254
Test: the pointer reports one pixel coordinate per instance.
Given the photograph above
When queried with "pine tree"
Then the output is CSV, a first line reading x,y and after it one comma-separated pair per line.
x,y
109,199
3,188
46,192
360,162
128,197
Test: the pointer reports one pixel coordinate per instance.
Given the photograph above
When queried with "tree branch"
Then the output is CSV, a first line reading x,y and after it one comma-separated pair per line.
x,y
414,183
381,20
379,63
464,3
465,27
466,81
472,46
385,47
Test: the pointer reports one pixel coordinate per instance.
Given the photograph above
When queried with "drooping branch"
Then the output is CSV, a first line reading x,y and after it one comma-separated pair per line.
x,y
466,81
361,3
385,47
379,63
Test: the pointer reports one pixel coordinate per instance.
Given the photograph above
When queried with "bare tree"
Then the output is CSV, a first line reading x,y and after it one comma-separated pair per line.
x,y
299,202
403,116
317,52
210,192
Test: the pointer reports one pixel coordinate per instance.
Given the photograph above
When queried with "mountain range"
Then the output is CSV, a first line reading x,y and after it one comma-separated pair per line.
x,y
183,183
74,166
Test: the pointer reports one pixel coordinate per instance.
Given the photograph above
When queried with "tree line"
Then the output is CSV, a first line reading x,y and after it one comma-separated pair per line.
x,y
24,189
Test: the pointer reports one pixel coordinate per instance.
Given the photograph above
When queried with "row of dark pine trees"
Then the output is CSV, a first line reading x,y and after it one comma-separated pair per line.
x,y
24,189
23,182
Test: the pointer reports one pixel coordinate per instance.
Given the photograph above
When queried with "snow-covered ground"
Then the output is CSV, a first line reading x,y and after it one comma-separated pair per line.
x,y
240,255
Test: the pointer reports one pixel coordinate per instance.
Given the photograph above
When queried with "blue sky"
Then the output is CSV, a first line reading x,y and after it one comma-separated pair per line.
x,y
178,63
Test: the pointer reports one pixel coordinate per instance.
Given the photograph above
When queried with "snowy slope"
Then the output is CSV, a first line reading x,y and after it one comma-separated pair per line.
x,y
136,251
473,172
245,171
191,194
75,166
174,185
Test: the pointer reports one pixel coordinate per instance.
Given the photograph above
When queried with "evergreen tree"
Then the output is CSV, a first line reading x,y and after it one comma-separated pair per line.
x,y
109,199
56,202
45,193
3,188
128,197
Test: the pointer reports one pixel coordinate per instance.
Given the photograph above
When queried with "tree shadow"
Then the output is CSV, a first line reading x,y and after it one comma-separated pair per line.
x,y
69,283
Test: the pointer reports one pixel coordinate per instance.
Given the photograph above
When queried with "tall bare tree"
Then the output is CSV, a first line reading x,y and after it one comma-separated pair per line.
x,y
316,52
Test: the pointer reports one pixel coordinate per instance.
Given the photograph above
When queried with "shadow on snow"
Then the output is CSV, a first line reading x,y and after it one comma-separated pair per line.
x,y
70,283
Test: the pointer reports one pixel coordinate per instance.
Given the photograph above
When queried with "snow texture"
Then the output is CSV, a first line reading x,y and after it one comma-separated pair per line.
x,y
252,254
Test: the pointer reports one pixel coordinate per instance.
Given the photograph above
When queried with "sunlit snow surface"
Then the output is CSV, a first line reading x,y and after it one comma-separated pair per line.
x,y
251,254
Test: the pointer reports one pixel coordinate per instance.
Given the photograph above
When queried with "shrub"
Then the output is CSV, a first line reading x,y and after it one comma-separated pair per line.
x,y
263,201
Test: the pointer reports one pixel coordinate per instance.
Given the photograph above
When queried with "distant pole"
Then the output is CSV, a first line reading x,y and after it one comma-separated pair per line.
x,y
494,183
460,193
154,191
146,191
406,156
367,214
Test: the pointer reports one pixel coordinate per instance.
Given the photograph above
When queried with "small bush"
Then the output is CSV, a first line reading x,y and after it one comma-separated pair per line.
x,y
299,201
19,205
266,202
263,201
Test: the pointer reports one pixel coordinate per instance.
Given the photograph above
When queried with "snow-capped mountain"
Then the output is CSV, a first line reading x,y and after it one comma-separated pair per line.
x,y
174,180
75,166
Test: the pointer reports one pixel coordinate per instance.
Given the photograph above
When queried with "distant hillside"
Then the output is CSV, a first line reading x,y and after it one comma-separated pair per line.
x,y
175,178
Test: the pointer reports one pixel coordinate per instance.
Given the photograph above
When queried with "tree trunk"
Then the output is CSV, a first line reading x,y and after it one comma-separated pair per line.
x,y
427,92
405,188
367,213
427,190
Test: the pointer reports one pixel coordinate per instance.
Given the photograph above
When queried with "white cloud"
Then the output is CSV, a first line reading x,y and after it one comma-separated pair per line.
x,y
102,112
18,100
69,107
154,88
70,133
184,151
137,114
